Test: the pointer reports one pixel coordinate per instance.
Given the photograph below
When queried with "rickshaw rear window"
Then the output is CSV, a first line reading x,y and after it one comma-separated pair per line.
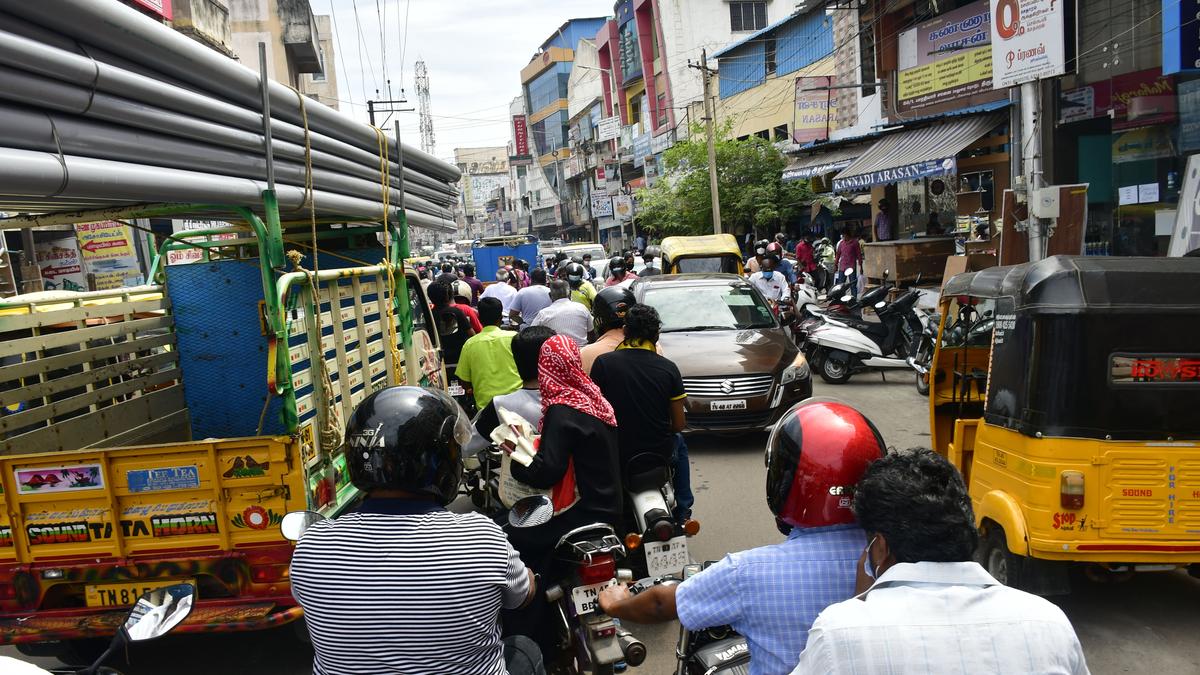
x,y
723,264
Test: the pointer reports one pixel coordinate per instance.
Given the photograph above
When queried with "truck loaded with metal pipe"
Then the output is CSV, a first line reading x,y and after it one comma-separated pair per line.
x,y
156,435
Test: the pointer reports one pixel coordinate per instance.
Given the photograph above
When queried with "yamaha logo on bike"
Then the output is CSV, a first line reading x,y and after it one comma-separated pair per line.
x,y
733,652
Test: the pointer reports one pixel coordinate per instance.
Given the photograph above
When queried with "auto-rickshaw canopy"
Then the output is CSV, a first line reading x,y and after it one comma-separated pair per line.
x,y
1090,347
1075,284
720,250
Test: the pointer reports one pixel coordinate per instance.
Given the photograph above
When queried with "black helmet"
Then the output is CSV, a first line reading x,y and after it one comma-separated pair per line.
x,y
407,438
617,264
609,307
575,274
577,259
760,246
651,252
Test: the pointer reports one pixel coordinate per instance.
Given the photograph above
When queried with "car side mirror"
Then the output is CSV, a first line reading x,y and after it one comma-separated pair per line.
x,y
158,611
295,523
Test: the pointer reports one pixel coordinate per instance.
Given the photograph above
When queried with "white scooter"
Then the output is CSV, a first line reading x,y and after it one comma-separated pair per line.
x,y
844,346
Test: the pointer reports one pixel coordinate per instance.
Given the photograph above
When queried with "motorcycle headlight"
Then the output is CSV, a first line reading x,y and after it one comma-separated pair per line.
x,y
797,371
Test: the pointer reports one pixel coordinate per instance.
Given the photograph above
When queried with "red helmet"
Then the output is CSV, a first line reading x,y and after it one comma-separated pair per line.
x,y
817,452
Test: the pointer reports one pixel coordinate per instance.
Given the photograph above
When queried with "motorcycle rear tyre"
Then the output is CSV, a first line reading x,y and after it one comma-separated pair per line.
x,y
833,372
922,384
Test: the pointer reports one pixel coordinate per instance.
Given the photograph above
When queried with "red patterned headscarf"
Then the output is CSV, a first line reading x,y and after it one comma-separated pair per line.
x,y
563,382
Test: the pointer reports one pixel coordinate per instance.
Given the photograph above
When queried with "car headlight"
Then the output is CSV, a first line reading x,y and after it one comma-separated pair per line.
x,y
797,371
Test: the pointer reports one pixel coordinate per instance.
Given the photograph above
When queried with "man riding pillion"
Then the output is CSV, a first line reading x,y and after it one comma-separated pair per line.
x,y
364,580
771,595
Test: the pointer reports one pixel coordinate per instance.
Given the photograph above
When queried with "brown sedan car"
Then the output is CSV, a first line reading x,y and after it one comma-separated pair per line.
x,y
740,368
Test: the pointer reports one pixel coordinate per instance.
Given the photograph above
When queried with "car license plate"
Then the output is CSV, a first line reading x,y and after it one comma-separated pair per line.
x,y
587,598
667,558
738,404
124,595
456,389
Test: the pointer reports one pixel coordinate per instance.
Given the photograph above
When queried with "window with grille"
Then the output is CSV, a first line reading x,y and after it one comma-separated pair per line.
x,y
747,16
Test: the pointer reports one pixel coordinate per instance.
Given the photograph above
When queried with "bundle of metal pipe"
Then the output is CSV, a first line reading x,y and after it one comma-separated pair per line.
x,y
120,102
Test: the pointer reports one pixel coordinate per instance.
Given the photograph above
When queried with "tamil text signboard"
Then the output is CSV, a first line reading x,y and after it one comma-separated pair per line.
x,y
814,103
1028,41
609,129
108,253
945,58
61,264
520,136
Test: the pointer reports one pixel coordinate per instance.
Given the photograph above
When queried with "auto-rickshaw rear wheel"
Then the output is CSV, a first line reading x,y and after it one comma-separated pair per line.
x,y
1004,565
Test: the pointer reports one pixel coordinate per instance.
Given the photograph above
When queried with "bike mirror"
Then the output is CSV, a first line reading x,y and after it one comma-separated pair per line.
x,y
158,611
295,523
531,511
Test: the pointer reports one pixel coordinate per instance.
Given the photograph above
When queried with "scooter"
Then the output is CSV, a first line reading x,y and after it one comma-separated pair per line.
x,y
845,346
591,640
657,540
154,614
842,303
922,357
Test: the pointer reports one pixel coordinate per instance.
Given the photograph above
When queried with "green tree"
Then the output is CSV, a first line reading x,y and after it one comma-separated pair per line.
x,y
749,178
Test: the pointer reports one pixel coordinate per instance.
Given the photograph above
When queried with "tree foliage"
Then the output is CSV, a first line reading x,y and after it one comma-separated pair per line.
x,y
749,179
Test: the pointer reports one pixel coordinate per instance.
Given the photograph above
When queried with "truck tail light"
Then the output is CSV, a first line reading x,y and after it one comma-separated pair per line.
x,y
265,574
1071,490
602,568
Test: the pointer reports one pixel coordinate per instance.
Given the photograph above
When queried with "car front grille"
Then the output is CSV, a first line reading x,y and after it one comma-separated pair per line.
x,y
738,386
729,420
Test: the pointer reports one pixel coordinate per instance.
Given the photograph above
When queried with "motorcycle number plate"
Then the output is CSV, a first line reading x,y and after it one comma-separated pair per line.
x,y
456,389
736,404
587,598
667,558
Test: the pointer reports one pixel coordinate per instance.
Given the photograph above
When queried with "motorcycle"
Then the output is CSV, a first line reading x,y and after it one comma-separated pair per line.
x,y
842,303
922,357
154,614
481,472
657,540
718,650
845,346
591,641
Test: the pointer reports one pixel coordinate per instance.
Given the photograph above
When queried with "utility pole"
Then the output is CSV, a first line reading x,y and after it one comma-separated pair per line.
x,y
387,106
709,115
1031,164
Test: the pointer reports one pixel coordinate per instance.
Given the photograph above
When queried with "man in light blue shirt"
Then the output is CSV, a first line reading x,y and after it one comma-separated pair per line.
x,y
772,594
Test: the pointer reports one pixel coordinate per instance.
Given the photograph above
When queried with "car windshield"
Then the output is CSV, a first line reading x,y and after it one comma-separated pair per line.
x,y
716,307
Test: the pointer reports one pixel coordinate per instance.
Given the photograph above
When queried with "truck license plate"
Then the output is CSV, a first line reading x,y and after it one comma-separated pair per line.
x,y
587,598
667,558
124,595
736,404
456,389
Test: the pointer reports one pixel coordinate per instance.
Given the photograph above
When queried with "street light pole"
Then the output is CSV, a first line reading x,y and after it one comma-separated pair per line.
x,y
709,115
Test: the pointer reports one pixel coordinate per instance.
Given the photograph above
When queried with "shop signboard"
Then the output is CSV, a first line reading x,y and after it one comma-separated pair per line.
x,y
641,148
945,58
1137,99
1141,144
932,167
612,178
1189,116
520,136
817,170
1028,41
191,255
108,254
652,170
602,206
622,207
609,129
61,264
662,142
814,106
1180,36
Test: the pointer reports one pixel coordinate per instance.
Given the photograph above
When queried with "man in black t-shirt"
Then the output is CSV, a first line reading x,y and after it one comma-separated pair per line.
x,y
644,388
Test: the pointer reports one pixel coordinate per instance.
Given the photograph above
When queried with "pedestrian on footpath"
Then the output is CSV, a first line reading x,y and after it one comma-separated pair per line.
x,y
883,222
565,316
924,605
848,255
646,392
486,363
771,594
530,300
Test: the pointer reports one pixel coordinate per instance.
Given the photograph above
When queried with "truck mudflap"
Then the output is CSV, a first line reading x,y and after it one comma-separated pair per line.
x,y
213,616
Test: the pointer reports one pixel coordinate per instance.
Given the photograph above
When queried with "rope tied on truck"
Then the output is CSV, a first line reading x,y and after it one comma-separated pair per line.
x,y
331,421
389,302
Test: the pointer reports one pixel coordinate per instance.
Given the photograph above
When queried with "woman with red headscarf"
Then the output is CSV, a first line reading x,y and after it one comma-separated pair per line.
x,y
577,452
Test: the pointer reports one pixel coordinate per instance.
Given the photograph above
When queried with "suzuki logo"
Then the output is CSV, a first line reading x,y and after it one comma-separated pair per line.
x,y
727,386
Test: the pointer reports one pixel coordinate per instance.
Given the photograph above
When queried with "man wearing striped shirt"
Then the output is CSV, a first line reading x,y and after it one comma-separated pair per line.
x,y
402,585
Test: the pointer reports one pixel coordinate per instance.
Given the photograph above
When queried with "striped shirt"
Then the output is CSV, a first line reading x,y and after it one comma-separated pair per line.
x,y
407,587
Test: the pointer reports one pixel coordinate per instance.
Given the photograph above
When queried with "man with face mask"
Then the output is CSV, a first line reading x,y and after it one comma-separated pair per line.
x,y
773,285
754,264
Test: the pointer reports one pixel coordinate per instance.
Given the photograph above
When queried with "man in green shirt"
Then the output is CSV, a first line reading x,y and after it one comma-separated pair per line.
x,y
486,363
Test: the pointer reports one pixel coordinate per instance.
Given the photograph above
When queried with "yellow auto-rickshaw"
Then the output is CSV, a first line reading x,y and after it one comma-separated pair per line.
x,y
1067,391
707,253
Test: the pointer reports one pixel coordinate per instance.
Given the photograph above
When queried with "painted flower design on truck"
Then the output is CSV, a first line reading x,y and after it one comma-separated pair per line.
x,y
256,517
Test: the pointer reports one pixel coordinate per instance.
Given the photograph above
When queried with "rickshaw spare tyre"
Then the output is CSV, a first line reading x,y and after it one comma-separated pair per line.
x,y
835,367
1005,566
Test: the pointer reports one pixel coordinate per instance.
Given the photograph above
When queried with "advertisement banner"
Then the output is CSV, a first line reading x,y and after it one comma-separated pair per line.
x,y
61,264
192,255
520,136
932,167
609,129
945,58
622,207
814,103
1028,41
602,206
108,253
1135,99
662,142
641,148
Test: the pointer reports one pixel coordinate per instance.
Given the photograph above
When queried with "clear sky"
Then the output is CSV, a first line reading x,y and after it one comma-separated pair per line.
x,y
474,51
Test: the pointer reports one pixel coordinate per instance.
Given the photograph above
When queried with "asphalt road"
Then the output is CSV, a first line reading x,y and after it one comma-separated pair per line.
x,y
1147,625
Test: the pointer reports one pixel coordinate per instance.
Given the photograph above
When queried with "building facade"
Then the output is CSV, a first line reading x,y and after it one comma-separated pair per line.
x,y
484,171
290,30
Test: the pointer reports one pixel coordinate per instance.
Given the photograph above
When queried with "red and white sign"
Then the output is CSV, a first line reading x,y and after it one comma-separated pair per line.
x,y
61,264
520,135
1138,99
1028,41
160,7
